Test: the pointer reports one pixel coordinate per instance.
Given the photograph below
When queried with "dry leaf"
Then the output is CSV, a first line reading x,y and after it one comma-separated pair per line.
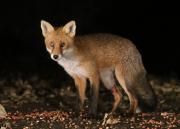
x,y
3,113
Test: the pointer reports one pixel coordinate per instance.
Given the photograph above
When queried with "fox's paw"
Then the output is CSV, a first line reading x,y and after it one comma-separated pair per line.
x,y
126,113
92,114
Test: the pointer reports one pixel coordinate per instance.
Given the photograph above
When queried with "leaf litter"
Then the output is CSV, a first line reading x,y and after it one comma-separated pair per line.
x,y
38,103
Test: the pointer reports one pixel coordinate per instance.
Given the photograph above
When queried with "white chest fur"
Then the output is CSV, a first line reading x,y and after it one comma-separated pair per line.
x,y
72,67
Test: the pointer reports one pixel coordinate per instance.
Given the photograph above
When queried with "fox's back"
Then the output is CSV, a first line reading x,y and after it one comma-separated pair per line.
x,y
107,49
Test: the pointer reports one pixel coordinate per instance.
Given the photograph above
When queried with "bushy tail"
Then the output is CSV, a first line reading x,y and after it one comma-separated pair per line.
x,y
131,74
137,84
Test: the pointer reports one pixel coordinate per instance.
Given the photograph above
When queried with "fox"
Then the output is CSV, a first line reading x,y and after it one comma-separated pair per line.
x,y
100,57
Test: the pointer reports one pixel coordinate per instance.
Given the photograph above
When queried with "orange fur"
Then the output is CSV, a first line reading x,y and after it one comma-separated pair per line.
x,y
97,57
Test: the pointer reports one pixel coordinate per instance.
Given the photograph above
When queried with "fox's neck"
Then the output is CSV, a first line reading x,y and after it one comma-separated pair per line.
x,y
78,51
71,60
74,54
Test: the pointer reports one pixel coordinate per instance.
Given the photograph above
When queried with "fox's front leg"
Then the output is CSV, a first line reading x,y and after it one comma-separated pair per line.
x,y
80,83
94,81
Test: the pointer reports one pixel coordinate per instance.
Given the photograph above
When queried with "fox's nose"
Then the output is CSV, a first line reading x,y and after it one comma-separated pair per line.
x,y
55,56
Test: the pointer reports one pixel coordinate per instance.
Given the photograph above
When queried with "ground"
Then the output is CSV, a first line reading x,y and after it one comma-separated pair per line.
x,y
34,101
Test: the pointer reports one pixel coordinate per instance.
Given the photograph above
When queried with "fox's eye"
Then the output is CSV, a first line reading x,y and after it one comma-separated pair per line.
x,y
51,44
62,45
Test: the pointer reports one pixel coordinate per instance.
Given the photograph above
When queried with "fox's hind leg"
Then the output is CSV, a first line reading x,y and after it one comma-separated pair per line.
x,y
109,82
120,75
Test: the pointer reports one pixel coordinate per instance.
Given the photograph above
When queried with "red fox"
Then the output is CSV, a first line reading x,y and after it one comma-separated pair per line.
x,y
98,57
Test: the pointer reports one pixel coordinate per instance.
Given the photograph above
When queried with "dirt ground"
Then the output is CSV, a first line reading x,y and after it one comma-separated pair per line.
x,y
34,101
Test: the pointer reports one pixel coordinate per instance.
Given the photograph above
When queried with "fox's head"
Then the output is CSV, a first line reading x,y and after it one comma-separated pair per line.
x,y
59,41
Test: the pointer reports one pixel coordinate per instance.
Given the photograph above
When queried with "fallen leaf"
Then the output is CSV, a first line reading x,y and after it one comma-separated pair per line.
x,y
3,113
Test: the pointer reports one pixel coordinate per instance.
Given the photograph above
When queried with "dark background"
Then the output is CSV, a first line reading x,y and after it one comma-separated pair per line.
x,y
152,26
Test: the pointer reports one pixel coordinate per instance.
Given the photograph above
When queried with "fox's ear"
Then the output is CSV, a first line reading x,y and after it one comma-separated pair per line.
x,y
46,27
70,28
